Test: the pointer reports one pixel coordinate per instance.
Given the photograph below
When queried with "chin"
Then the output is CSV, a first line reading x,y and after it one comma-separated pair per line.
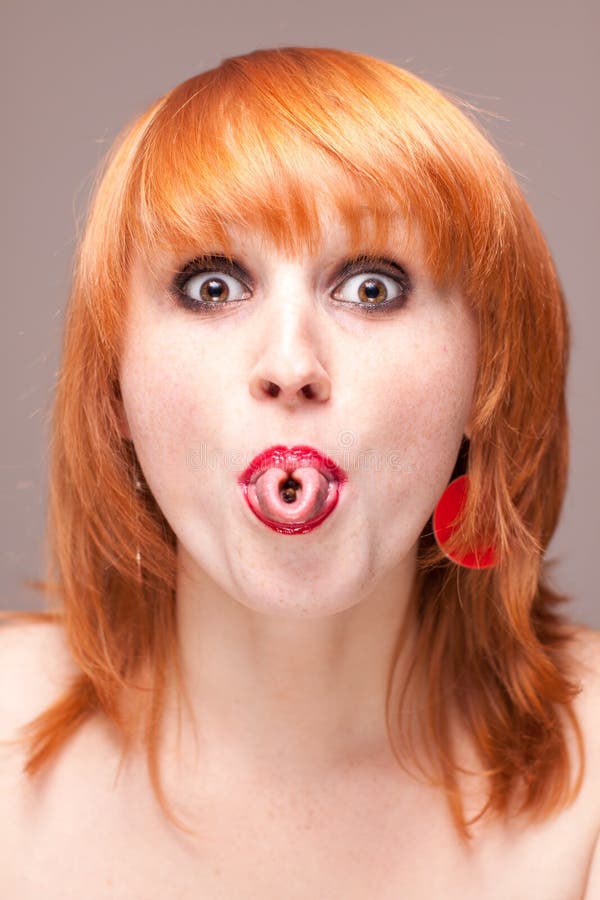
x,y
294,602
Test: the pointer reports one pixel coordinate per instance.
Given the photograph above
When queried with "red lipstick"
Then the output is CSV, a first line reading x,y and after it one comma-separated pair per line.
x,y
292,489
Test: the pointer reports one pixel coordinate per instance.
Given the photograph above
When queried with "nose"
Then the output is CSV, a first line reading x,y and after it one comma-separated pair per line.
x,y
289,365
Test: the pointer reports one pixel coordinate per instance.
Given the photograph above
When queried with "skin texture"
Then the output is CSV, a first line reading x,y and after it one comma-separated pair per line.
x,y
286,640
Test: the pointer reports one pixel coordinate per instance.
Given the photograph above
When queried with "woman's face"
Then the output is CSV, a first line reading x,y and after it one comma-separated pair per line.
x,y
390,398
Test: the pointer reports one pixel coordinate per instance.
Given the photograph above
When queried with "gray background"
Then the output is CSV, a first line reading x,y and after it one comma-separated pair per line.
x,y
74,72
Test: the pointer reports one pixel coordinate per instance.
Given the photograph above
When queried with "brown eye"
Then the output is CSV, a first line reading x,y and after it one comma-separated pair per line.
x,y
210,289
214,289
372,290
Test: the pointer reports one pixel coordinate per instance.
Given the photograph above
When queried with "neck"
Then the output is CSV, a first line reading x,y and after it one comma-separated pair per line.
x,y
296,693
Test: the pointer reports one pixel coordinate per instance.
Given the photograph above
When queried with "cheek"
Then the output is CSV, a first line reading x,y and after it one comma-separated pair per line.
x,y
427,394
416,420
162,403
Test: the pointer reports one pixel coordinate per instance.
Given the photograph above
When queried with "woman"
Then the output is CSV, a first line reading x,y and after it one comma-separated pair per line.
x,y
309,446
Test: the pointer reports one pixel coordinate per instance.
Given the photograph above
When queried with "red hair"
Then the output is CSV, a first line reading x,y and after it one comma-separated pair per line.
x,y
260,142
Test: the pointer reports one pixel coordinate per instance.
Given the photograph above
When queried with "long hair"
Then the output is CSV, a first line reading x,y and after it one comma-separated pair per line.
x,y
260,142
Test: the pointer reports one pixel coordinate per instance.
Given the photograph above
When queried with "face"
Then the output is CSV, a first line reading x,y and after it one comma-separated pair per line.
x,y
389,399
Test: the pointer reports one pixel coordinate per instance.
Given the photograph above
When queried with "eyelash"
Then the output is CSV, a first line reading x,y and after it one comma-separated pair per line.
x,y
218,265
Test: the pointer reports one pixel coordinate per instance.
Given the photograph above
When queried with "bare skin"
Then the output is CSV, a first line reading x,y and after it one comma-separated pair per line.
x,y
364,829
286,640
291,787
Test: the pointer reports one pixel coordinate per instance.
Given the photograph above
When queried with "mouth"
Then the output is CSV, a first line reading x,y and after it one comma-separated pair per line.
x,y
292,489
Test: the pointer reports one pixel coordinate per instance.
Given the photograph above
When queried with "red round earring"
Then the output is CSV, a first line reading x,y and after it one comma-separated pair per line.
x,y
446,522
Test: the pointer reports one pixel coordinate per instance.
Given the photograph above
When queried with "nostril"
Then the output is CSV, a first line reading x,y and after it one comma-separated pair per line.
x,y
273,390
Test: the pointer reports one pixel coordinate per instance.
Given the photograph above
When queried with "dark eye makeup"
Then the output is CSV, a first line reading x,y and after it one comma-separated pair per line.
x,y
375,265
215,289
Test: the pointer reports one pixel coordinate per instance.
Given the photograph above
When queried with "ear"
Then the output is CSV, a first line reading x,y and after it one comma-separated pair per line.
x,y
120,413
468,428
122,420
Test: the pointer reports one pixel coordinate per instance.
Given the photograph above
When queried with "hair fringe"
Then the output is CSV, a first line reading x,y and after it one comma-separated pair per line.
x,y
491,655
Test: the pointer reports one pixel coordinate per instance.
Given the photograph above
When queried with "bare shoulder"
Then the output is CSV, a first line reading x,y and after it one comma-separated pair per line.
x,y
585,653
35,668
587,642
585,650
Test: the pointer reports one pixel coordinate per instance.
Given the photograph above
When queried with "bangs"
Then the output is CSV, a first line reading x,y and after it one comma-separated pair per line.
x,y
284,192
253,148
263,143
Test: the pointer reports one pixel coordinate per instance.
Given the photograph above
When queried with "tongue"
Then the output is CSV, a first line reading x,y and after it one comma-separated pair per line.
x,y
308,498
